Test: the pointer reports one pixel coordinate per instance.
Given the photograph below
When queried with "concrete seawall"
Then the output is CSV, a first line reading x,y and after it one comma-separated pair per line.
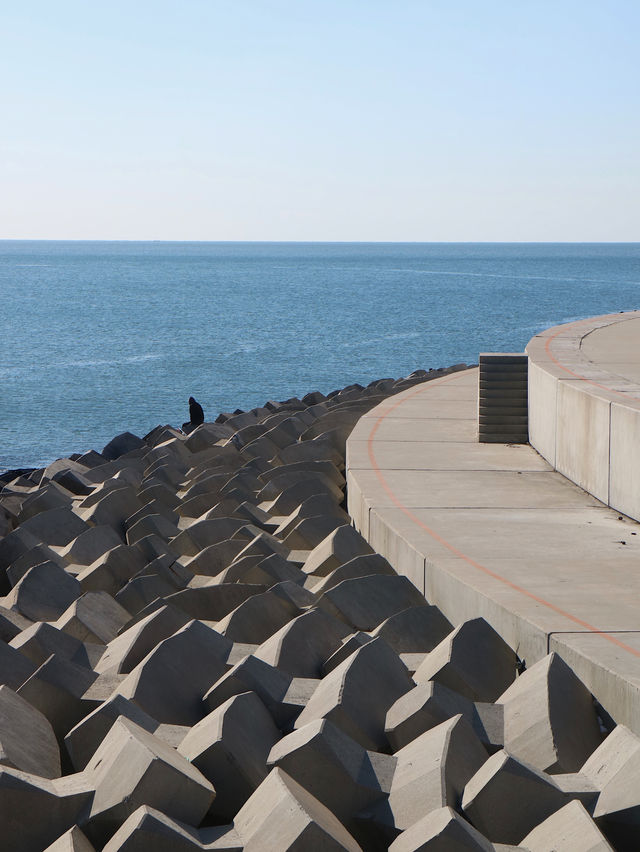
x,y
584,405
496,531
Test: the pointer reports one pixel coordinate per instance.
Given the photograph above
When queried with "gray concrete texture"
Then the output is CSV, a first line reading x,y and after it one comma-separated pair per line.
x,y
199,651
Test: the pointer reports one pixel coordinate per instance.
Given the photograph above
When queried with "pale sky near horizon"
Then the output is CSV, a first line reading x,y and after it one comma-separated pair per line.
x,y
501,120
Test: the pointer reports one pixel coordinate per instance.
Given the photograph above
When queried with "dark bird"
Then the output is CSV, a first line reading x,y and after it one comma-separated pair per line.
x,y
196,414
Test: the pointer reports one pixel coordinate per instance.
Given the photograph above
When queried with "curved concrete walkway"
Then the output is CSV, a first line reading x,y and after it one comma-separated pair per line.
x,y
494,530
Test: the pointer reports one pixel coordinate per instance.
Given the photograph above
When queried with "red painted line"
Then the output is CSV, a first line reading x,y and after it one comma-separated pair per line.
x,y
454,550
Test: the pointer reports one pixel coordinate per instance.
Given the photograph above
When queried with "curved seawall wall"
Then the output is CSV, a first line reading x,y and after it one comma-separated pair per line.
x,y
584,405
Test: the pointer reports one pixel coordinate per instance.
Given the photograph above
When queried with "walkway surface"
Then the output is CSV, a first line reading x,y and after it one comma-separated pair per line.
x,y
493,530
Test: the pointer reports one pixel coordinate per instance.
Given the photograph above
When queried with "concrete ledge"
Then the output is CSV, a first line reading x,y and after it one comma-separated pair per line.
x,y
493,530
584,405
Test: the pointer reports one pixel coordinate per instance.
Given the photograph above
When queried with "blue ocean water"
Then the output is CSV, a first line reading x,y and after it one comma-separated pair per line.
x,y
101,337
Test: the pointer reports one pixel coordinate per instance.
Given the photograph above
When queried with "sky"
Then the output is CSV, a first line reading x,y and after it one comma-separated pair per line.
x,y
403,120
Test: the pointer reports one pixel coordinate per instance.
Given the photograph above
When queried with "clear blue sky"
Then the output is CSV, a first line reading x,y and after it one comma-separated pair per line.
x,y
335,120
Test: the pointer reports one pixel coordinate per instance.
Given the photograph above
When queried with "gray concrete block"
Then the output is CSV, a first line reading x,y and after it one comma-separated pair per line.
x,y
132,768
309,532
335,769
15,667
281,481
27,740
431,773
121,444
359,566
422,708
569,829
125,651
472,660
507,798
351,643
549,717
44,592
336,549
58,690
212,602
35,811
73,840
230,747
93,617
261,570
110,572
254,675
212,560
316,450
35,556
149,829
257,618
16,544
417,629
55,526
364,602
169,690
263,544
143,590
281,816
203,534
113,509
292,497
90,545
301,646
84,738
150,524
319,505
40,640
441,830
356,695
614,769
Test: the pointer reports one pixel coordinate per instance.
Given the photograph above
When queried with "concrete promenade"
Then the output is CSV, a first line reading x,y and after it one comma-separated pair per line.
x,y
493,530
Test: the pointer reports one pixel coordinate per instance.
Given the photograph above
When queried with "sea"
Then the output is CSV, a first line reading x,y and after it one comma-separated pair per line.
x,y
97,338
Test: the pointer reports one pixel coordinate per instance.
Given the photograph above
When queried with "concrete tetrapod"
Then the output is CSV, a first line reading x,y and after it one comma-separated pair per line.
x,y
570,829
441,830
132,645
364,602
171,681
472,660
356,695
254,675
335,769
507,798
301,647
131,768
35,811
417,629
74,840
230,747
336,549
40,640
431,773
27,740
549,717
149,830
258,617
44,592
93,617
615,768
281,816
84,739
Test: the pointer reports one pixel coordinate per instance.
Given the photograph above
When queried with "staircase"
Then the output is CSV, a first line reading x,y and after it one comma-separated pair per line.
x,y
503,409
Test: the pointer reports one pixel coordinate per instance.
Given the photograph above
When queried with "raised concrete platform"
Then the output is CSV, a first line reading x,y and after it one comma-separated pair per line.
x,y
584,405
493,530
